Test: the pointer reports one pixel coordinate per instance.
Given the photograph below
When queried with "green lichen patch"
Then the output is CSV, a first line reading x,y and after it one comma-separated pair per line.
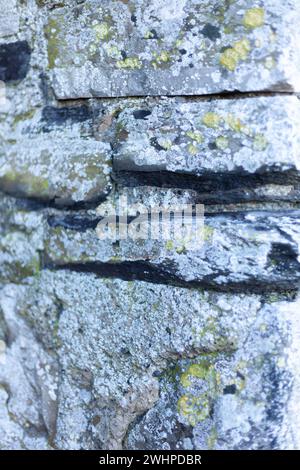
x,y
193,409
54,41
200,383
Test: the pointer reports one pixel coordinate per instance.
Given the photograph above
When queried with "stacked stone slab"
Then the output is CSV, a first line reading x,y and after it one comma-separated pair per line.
x,y
114,343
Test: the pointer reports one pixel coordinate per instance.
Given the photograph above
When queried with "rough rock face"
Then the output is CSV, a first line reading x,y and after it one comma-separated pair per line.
x,y
111,338
147,47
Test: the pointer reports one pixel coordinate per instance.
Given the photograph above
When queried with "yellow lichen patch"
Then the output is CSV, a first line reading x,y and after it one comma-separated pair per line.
x,y
165,143
237,125
178,42
260,142
229,59
164,56
192,149
233,55
170,245
222,142
114,52
196,136
243,48
211,120
102,31
200,376
254,18
161,59
129,63
234,123
207,232
185,379
199,371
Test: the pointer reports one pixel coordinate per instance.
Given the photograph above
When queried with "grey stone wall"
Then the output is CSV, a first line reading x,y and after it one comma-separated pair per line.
x,y
149,344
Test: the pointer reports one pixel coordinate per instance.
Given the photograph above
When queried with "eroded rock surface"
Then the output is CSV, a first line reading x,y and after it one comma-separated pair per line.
x,y
152,48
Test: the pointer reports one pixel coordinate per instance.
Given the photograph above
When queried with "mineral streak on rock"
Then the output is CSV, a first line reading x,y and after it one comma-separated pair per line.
x,y
147,47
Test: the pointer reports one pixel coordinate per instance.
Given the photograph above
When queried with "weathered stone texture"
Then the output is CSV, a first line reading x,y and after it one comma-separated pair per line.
x,y
55,158
9,17
147,47
198,348
204,138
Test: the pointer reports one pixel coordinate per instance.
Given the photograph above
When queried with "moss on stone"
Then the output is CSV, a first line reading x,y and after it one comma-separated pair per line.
x,y
52,33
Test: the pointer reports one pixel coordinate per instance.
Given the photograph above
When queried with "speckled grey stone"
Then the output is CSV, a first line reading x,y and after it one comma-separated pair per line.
x,y
55,158
147,47
242,399
9,17
258,250
28,381
200,373
259,135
